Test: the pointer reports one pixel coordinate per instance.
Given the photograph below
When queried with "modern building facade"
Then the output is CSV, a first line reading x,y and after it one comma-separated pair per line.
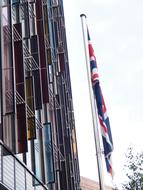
x,y
38,147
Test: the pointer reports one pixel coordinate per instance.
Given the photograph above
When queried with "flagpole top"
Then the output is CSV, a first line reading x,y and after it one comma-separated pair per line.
x,y
83,15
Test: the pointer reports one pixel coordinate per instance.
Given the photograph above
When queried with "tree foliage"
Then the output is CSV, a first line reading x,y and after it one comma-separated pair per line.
x,y
134,170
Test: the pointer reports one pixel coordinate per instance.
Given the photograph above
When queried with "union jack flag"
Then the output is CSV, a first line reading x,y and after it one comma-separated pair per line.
x,y
101,108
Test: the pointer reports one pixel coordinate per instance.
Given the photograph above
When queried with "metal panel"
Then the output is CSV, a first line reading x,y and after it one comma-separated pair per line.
x,y
62,61
49,153
43,64
30,103
37,164
37,89
1,128
21,128
36,73
20,88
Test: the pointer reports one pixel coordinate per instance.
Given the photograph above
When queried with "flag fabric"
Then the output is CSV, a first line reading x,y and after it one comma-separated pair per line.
x,y
101,108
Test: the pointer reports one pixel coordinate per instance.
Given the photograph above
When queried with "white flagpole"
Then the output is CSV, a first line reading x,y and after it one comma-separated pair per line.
x,y
93,105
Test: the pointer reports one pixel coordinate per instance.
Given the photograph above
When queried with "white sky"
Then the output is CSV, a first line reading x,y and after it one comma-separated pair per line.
x,y
116,32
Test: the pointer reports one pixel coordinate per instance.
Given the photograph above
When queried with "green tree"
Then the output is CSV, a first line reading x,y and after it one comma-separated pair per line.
x,y
134,170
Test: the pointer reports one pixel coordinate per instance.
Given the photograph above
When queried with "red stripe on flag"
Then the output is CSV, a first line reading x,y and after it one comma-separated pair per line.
x,y
102,124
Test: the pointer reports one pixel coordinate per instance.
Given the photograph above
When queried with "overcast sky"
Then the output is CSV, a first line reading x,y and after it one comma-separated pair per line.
x,y
116,31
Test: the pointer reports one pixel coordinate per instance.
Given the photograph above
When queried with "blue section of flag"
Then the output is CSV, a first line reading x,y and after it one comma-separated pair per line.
x,y
105,126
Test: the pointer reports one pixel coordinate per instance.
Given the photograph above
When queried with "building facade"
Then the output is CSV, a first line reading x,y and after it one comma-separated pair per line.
x,y
88,184
38,147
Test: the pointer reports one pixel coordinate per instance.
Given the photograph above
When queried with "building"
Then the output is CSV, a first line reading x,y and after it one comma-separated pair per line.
x,y
38,147
88,184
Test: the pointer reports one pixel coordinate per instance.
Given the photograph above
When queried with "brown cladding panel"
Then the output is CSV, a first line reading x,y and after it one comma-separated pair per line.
x,y
40,30
34,44
37,90
20,89
45,85
18,52
63,176
42,52
38,9
62,61
36,73
20,108
19,66
21,128
43,63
